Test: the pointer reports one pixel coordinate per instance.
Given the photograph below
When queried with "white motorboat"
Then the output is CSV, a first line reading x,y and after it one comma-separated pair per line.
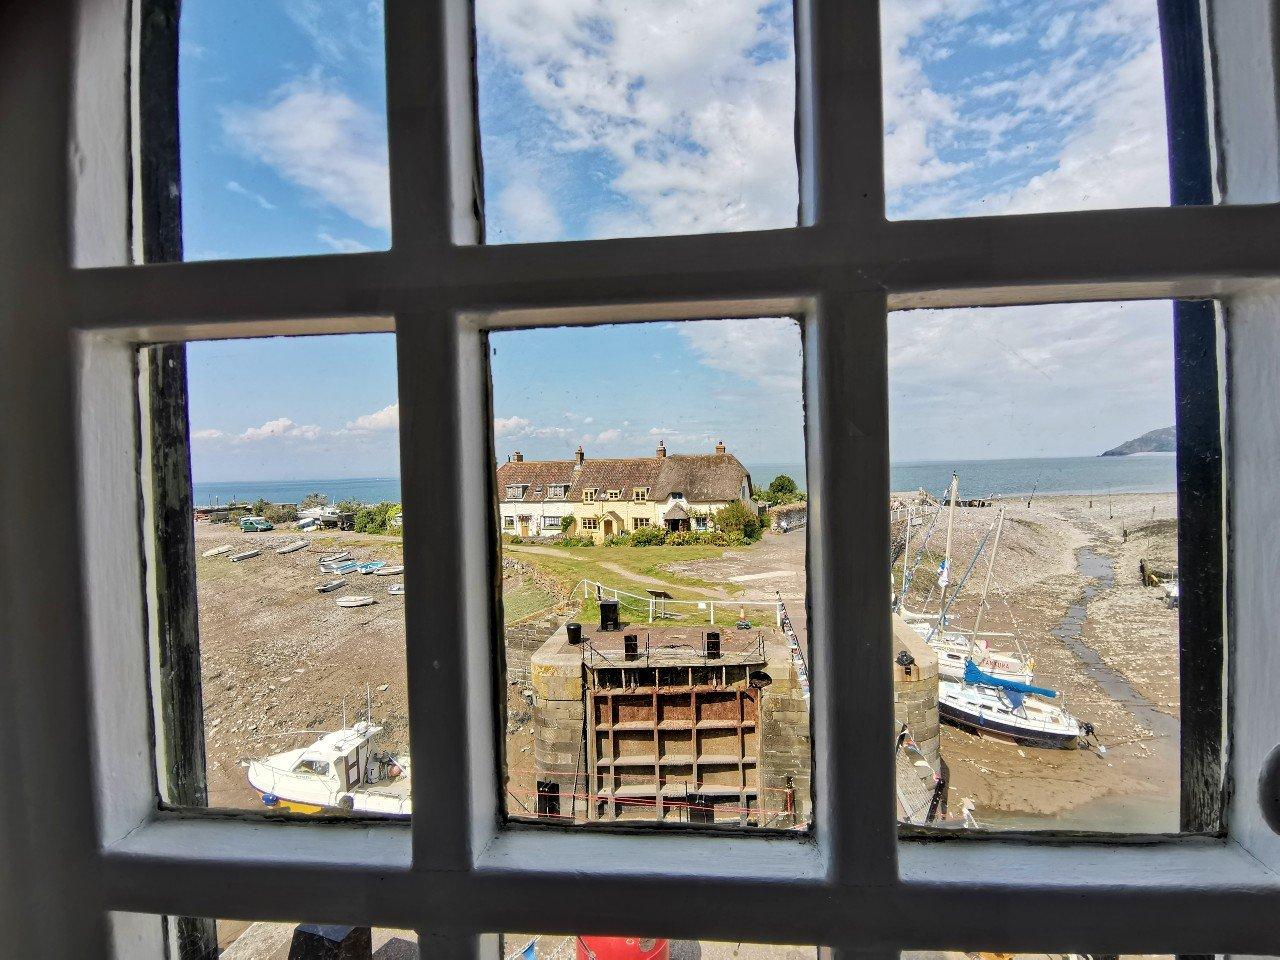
x,y
396,590
389,571
341,772
331,585
218,551
244,555
355,601
292,547
335,557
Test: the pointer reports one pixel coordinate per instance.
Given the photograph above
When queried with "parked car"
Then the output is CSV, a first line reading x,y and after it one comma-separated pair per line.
x,y
256,525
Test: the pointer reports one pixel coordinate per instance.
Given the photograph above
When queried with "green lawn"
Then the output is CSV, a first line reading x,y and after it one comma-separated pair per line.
x,y
524,601
571,565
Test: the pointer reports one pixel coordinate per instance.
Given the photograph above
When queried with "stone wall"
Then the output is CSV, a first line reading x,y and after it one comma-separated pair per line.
x,y
786,748
915,690
559,718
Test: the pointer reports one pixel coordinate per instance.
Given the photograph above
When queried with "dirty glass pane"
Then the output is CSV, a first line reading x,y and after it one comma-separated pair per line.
x,y
294,448
1022,106
201,938
546,947
283,128
1036,623
615,119
651,523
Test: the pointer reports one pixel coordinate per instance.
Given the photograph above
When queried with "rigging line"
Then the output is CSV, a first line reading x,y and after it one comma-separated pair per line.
x,y
942,614
910,575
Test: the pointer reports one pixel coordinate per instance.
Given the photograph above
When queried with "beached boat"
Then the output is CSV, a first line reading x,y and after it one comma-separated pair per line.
x,y
341,772
1009,710
335,557
331,585
341,567
355,601
396,590
371,566
292,547
308,523
217,551
953,649
244,555
389,571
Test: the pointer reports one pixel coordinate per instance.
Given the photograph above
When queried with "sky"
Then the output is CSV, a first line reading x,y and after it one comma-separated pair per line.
x,y
602,118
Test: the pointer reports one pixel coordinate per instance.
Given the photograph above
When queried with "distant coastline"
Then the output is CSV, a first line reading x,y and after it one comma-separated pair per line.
x,y
978,478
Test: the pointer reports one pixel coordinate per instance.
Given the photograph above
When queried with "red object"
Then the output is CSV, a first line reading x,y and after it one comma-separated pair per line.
x,y
622,948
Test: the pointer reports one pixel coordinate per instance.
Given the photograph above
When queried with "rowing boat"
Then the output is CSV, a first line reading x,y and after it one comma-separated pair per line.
x,y
225,548
335,557
237,557
331,585
389,571
355,601
292,547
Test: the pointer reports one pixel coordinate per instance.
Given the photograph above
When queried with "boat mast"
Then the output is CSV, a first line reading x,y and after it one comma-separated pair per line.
x,y
906,559
944,578
991,565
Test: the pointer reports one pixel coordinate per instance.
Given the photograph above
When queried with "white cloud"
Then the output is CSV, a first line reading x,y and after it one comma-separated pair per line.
x,y
340,31
604,436
341,244
316,136
257,198
388,418
696,124
765,351
281,427
208,434
509,426
527,213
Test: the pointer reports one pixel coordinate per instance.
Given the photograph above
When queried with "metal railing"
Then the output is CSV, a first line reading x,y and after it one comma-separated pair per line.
x,y
665,608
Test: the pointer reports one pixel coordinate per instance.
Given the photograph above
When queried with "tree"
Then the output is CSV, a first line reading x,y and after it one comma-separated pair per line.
x,y
566,524
736,517
260,507
784,486
313,500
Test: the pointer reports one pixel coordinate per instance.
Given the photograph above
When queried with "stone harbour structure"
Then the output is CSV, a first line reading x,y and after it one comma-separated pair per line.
x,y
688,724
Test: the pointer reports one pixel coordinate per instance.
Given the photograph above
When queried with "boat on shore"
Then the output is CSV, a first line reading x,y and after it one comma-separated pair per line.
x,y
331,585
358,601
218,551
389,571
953,649
340,566
341,772
244,555
370,566
335,557
292,547
396,590
989,706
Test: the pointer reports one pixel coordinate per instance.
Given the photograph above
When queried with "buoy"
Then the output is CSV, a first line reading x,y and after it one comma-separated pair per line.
x,y
270,799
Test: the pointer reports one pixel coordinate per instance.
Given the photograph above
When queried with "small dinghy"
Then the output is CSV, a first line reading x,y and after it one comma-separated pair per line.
x,y
341,566
292,547
335,557
355,601
237,557
225,548
371,566
389,571
396,590
331,585
308,523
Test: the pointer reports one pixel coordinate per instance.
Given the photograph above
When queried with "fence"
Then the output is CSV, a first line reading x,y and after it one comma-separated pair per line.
x,y
668,608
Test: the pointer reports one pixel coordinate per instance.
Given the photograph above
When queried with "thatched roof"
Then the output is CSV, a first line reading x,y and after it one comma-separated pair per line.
x,y
701,478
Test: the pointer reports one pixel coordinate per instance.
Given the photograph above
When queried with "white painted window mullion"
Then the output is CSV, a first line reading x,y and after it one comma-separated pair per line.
x,y
847,402
841,139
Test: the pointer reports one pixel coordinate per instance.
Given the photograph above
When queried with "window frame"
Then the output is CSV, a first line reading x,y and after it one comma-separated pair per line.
x,y
69,368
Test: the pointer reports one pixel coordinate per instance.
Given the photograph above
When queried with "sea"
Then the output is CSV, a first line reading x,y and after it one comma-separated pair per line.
x,y
1137,473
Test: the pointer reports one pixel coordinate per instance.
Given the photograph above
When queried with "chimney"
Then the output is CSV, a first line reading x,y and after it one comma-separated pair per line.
x,y
579,456
720,446
662,449
517,457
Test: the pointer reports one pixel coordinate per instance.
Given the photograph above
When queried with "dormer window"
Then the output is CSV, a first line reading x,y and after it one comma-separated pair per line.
x,y
615,494
640,494
677,494
515,491
557,491
589,496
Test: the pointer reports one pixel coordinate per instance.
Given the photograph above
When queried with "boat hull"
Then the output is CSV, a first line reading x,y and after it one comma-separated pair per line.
x,y
987,726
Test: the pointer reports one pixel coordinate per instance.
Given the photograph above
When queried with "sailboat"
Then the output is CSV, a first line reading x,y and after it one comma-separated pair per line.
x,y
992,706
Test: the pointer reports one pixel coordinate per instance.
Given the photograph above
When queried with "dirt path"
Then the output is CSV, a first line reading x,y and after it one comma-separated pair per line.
x,y
606,564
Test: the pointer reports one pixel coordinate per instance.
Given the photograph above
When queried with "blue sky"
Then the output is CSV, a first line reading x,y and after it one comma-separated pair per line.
x,y
607,118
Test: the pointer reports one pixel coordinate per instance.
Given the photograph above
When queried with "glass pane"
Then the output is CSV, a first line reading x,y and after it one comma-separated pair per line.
x,y
200,938
651,507
526,947
1038,622
1022,107
613,119
299,574
283,128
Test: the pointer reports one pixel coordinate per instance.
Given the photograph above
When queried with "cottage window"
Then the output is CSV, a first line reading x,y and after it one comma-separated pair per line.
x,y
615,494
640,495
677,495
556,492
589,496
516,491
70,375
590,523
639,522
509,522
